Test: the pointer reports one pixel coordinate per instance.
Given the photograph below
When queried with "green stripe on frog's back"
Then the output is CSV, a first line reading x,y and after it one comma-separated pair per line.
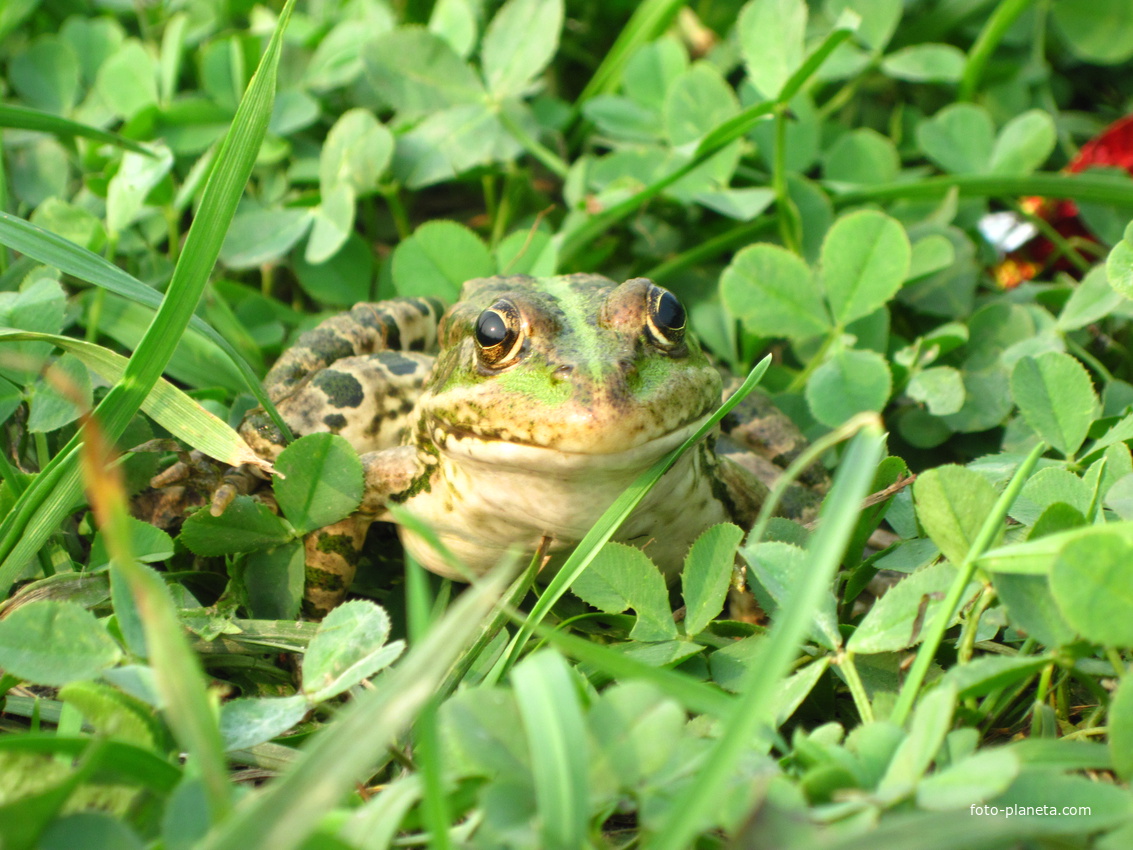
x,y
580,305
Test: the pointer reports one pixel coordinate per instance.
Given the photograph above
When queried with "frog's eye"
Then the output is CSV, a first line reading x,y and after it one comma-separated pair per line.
x,y
499,335
666,322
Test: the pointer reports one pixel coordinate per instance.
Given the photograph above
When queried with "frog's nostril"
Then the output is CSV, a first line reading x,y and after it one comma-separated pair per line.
x,y
563,372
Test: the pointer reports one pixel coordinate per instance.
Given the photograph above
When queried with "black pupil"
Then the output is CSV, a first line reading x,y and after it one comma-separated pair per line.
x,y
490,329
669,313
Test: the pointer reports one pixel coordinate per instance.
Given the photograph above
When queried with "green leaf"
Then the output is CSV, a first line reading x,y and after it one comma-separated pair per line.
x,y
148,544
1090,301
343,279
1048,487
1092,582
773,292
931,254
532,252
926,63
952,503
46,75
274,581
261,236
939,388
981,676
39,308
349,646
288,810
338,60
622,577
1056,398
438,258
419,73
1119,264
894,622
136,178
862,156
1097,32
960,138
1121,729
90,830
247,722
879,19
72,222
651,70
53,643
777,567
245,526
450,142
696,101
332,224
556,737
519,43
456,22
850,382
971,780
930,724
127,81
865,259
51,405
707,574
356,152
1023,144
322,483
771,39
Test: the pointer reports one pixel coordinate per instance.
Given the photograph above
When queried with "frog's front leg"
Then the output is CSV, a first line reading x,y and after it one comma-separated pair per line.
x,y
333,552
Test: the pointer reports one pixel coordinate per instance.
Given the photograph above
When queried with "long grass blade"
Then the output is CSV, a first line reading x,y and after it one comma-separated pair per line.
x,y
53,250
23,118
754,707
287,812
171,408
609,522
55,490
556,739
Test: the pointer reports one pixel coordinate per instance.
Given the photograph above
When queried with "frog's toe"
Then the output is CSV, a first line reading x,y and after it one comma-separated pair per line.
x,y
174,474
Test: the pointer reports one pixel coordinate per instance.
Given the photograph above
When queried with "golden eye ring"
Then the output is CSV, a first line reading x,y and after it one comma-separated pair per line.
x,y
499,335
665,321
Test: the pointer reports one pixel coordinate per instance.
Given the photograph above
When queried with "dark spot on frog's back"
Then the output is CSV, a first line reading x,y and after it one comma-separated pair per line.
x,y
398,365
327,344
335,421
341,389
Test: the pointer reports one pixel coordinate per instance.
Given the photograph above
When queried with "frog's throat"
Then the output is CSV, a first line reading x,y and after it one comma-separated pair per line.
x,y
464,447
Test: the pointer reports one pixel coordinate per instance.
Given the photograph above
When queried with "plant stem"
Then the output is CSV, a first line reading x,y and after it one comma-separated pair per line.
x,y
857,689
996,27
789,225
533,146
934,635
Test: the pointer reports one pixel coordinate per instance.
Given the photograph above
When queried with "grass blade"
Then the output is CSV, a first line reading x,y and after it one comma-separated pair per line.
x,y
284,815
54,491
754,706
556,739
609,522
177,670
934,633
648,21
23,118
53,250
168,406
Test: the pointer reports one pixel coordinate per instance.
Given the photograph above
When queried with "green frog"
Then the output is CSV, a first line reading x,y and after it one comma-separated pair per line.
x,y
546,398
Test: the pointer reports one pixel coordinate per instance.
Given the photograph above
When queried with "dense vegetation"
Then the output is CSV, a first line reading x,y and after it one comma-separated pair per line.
x,y
190,183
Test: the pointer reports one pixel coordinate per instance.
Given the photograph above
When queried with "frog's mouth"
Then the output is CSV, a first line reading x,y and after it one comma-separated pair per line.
x,y
504,450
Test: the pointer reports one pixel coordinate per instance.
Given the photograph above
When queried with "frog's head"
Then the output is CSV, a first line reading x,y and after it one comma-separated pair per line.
x,y
577,363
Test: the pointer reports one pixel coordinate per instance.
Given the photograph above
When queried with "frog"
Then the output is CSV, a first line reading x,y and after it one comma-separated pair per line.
x,y
510,421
